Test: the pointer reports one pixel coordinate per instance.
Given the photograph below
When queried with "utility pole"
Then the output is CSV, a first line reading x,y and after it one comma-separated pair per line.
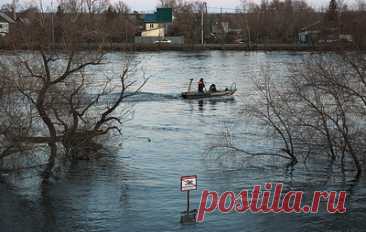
x,y
14,10
249,36
52,25
248,30
126,28
222,28
246,18
204,6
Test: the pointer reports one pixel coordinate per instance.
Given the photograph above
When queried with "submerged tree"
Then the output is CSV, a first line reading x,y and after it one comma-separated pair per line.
x,y
330,91
317,111
51,97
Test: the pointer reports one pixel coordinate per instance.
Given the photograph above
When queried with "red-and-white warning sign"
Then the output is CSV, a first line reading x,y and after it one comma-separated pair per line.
x,y
188,183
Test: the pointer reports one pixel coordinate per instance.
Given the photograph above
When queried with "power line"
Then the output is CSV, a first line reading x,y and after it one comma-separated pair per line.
x,y
223,8
220,9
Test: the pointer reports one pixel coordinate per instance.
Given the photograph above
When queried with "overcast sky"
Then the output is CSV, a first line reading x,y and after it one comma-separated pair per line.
x,y
231,4
214,5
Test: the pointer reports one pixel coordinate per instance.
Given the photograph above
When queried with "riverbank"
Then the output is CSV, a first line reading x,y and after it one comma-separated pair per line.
x,y
229,47
199,47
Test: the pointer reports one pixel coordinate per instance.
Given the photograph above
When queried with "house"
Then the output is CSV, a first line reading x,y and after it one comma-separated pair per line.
x,y
220,27
332,28
5,22
321,33
228,31
155,29
156,23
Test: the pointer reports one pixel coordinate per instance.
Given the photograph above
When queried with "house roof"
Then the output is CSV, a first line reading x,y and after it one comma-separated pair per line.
x,y
162,15
312,26
150,18
5,18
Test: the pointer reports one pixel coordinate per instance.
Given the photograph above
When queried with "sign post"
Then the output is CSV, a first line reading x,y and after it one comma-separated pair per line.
x,y
188,183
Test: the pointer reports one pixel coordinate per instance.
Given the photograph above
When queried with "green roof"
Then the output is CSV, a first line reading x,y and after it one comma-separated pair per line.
x,y
162,15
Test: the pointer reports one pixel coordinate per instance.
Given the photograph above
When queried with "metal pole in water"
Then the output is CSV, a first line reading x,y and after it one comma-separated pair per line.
x,y
190,85
187,203
188,183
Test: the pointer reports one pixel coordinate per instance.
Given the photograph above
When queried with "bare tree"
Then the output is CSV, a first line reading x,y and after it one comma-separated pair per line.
x,y
272,108
60,97
269,108
332,87
319,109
316,111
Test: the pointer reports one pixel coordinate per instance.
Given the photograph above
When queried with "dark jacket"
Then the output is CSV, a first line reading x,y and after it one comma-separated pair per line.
x,y
201,85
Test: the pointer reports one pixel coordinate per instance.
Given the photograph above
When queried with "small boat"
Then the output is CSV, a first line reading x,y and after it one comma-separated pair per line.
x,y
208,94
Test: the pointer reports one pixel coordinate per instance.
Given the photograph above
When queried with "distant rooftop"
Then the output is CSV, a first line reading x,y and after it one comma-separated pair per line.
x,y
162,15
5,18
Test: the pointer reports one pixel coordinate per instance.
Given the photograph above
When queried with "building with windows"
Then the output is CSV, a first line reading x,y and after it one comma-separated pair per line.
x,y
156,23
5,22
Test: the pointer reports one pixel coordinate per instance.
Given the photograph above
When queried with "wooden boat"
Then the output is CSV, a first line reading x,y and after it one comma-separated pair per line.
x,y
208,94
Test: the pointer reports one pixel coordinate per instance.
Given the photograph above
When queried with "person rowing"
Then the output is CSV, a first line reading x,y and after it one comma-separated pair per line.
x,y
201,85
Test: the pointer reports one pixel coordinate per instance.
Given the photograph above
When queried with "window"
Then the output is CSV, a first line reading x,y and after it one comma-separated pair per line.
x,y
151,25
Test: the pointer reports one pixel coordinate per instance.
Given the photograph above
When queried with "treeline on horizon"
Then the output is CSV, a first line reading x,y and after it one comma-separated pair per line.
x,y
271,21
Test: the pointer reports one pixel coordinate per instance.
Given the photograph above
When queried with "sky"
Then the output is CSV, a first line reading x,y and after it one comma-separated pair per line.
x,y
214,5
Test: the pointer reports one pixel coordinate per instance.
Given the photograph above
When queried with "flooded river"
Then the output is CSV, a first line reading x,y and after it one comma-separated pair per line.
x,y
137,188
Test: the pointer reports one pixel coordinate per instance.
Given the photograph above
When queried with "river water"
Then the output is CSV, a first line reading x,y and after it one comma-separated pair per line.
x,y
136,187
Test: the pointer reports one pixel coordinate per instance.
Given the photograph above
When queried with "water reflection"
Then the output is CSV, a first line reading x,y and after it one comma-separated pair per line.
x,y
210,104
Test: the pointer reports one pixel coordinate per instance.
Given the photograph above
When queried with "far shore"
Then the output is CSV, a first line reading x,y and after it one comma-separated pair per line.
x,y
200,47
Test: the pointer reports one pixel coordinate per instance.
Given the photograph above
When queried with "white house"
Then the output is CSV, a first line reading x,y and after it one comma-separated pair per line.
x,y
5,22
156,23
154,30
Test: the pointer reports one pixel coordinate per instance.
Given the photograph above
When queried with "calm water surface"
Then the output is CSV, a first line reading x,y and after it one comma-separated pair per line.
x,y
136,188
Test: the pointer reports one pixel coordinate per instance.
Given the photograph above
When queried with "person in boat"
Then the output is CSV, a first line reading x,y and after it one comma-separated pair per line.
x,y
201,85
213,88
